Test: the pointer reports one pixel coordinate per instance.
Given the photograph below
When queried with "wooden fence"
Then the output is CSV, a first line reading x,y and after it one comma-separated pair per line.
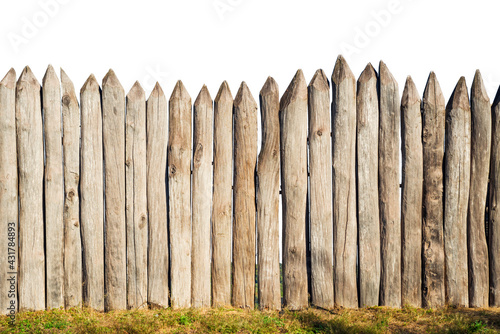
x,y
122,202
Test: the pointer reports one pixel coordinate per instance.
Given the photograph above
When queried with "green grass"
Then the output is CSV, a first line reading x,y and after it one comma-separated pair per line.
x,y
229,320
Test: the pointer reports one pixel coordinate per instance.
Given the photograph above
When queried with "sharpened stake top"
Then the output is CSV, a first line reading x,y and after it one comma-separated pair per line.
x,y
179,92
111,80
385,75
90,84
27,77
296,90
136,92
224,93
341,71
9,80
270,87
478,90
203,97
157,91
368,74
432,93
68,89
320,81
50,76
244,95
410,93
460,97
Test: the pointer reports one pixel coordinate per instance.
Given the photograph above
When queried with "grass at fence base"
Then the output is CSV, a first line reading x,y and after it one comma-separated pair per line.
x,y
370,320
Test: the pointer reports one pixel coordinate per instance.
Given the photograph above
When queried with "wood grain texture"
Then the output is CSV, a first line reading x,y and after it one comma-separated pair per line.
x,y
479,173
456,194
179,185
8,192
92,198
54,190
320,192
388,170
156,159
268,192
115,247
202,198
367,187
494,205
293,140
222,197
245,159
71,217
31,280
433,126
345,228
136,198
411,198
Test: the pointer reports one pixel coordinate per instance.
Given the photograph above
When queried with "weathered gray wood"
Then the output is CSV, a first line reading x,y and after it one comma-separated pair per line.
x,y
268,192
92,198
179,185
367,191
222,197
411,198
31,283
245,159
156,159
113,136
345,228
293,140
8,193
433,125
202,198
320,193
494,199
456,194
479,173
71,216
136,198
54,189
388,171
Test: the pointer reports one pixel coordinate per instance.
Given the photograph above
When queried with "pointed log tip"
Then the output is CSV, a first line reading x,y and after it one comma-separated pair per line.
x,y
244,95
224,93
203,97
157,91
460,96
320,81
478,90
9,80
179,92
28,76
410,93
368,74
341,71
91,83
385,75
297,89
50,76
432,92
110,79
270,87
136,92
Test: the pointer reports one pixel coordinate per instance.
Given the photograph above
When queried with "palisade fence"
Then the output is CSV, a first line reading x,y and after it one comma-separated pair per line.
x,y
126,202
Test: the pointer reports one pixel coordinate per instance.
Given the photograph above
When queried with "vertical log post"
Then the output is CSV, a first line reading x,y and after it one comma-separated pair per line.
x,y
411,198
320,193
245,159
494,205
31,283
91,189
115,245
479,173
202,198
456,194
8,192
71,217
136,198
367,187
293,140
268,192
222,197
345,230
156,159
433,125
388,171
179,185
